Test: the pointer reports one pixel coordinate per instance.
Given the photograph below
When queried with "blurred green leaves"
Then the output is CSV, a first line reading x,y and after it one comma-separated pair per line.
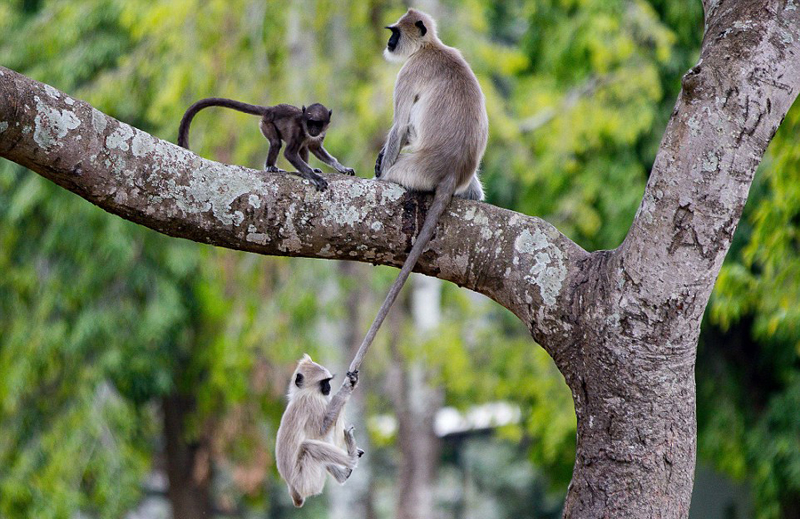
x,y
100,319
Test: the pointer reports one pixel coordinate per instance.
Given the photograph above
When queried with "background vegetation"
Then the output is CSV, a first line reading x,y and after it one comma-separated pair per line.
x,y
120,347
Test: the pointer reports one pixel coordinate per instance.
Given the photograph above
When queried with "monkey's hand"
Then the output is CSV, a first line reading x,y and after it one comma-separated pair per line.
x,y
378,163
348,171
352,376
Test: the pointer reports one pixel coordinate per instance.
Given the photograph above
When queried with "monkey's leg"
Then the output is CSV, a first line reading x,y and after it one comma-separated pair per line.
x,y
394,143
350,443
304,155
303,169
323,155
325,454
275,143
339,474
474,191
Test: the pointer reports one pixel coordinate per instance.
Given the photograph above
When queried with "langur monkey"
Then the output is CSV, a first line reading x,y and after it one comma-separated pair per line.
x,y
312,439
441,127
302,129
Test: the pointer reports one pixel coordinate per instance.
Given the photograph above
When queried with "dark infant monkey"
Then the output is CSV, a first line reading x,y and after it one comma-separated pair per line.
x,y
303,130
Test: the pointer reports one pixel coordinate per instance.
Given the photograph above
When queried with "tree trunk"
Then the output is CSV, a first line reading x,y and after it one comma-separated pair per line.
x,y
416,405
188,462
354,499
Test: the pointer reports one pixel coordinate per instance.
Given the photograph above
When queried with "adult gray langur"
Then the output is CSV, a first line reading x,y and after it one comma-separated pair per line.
x,y
437,138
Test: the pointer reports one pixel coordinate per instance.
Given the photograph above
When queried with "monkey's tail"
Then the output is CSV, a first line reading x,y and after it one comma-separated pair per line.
x,y
183,130
441,199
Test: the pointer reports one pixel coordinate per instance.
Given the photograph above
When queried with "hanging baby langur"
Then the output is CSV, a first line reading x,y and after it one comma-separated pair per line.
x,y
312,440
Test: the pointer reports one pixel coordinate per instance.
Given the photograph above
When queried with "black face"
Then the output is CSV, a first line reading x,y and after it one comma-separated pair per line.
x,y
316,119
325,386
393,39
315,127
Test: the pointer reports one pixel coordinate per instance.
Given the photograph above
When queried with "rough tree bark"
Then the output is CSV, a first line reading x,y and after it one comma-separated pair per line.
x,y
622,325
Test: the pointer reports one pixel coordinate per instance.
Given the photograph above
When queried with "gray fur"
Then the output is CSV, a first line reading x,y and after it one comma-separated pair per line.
x,y
312,440
436,142
440,120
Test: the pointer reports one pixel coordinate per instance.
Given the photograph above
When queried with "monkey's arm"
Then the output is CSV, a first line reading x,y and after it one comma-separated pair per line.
x,y
292,154
323,155
338,401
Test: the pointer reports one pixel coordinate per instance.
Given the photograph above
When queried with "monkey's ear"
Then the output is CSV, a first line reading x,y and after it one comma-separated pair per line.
x,y
298,381
330,113
422,29
304,109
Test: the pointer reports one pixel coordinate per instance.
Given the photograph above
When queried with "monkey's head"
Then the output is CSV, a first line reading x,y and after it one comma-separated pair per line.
x,y
316,119
413,30
310,376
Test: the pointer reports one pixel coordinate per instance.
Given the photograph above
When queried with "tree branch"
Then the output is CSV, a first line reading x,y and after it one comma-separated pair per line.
x,y
731,104
521,262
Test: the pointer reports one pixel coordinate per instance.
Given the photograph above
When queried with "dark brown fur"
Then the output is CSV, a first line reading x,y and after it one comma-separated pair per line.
x,y
302,130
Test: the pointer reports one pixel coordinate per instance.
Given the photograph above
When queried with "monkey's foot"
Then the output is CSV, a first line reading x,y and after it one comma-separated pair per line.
x,y
360,452
274,169
352,376
347,171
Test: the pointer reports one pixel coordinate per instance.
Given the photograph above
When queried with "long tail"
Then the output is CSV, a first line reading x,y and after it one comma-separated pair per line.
x,y
441,199
183,131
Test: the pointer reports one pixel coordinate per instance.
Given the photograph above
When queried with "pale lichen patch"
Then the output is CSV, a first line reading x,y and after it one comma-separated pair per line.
x,y
694,126
376,226
3,126
52,92
238,218
547,271
119,138
391,192
99,121
142,144
710,162
51,124
357,189
254,201
69,101
292,242
256,237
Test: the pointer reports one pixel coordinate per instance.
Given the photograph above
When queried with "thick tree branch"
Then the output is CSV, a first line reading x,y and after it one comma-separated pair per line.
x,y
731,104
521,262
632,375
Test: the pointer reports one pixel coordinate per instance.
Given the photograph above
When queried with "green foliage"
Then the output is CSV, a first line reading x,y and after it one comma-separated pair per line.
x,y
758,435
100,319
